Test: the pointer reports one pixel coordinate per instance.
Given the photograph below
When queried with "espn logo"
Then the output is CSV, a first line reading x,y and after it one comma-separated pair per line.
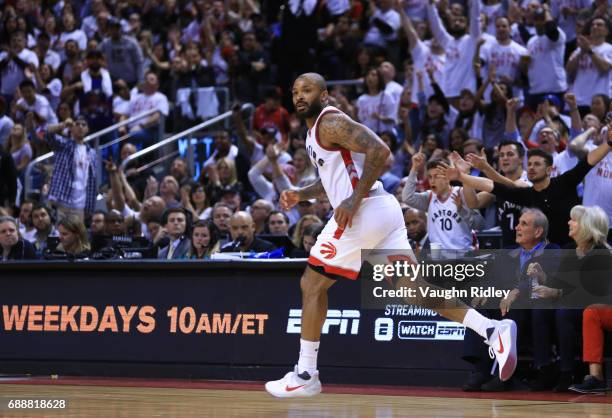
x,y
430,330
344,321
418,330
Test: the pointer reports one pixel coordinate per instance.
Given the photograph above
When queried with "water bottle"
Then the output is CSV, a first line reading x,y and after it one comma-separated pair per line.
x,y
534,283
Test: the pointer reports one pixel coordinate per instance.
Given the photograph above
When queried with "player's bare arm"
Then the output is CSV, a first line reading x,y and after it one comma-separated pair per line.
x,y
289,198
338,130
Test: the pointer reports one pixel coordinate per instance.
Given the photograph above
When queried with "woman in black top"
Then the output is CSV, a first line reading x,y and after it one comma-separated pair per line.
x,y
204,240
12,246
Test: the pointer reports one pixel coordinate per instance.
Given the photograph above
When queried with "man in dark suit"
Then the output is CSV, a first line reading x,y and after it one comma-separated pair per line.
x,y
176,227
416,226
518,270
242,231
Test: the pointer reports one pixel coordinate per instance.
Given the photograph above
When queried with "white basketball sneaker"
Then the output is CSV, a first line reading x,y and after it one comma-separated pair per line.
x,y
295,385
502,347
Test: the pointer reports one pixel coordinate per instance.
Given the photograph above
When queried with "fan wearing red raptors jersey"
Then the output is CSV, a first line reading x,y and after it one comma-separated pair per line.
x,y
350,158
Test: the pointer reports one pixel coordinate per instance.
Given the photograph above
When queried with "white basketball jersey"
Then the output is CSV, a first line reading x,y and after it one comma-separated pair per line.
x,y
339,169
444,224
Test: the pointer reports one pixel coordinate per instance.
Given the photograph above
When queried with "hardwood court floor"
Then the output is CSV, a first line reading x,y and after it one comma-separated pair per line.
x,y
115,400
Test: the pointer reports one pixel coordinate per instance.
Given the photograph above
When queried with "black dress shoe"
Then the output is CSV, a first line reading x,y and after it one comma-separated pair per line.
x,y
565,381
496,385
475,381
545,380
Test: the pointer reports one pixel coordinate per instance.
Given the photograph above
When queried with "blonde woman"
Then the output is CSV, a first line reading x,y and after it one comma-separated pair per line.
x,y
583,276
19,147
223,176
298,232
304,170
588,227
226,174
73,236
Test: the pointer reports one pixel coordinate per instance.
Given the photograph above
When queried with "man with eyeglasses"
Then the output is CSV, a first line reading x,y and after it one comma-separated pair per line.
x,y
73,183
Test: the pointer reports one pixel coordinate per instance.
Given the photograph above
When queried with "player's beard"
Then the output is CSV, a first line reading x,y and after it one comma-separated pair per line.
x,y
313,110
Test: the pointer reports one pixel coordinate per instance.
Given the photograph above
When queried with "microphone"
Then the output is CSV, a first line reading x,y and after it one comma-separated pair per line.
x,y
238,242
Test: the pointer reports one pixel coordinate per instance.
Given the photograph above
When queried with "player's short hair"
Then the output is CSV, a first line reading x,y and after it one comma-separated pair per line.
x,y
536,152
317,79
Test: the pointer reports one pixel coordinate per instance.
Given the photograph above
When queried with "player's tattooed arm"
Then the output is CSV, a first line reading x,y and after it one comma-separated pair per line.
x,y
312,191
338,130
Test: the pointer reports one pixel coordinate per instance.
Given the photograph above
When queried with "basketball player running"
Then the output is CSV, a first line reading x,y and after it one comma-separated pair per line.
x,y
350,158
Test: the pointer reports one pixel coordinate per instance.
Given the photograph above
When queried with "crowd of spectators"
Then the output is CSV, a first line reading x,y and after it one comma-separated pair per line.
x,y
497,109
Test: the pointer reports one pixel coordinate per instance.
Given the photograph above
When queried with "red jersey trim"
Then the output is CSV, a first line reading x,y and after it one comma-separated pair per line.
x,y
339,271
317,131
338,233
350,167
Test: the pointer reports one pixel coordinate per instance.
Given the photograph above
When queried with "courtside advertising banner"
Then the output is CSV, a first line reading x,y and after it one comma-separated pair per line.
x,y
217,313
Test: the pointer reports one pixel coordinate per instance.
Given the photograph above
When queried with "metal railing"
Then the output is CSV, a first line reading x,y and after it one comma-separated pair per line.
x,y
352,88
96,138
181,135
354,82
